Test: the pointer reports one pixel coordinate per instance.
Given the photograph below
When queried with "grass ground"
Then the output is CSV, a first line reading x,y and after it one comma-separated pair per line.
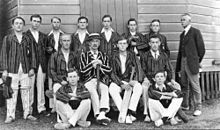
x,y
210,119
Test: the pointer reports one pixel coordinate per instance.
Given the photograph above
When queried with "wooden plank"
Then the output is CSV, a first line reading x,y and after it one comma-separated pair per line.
x,y
162,9
126,13
46,18
104,7
112,12
207,86
133,9
173,45
212,54
96,15
205,3
120,26
200,9
168,18
216,84
47,28
161,1
49,2
89,14
11,4
202,80
82,8
165,27
12,13
207,62
49,9
212,85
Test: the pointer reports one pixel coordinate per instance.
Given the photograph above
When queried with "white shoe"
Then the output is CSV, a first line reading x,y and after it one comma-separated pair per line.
x,y
9,120
128,120
61,126
197,113
133,118
173,121
158,123
84,123
30,117
147,119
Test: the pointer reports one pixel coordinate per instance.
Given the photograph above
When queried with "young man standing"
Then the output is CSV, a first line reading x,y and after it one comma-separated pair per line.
x,y
73,103
109,37
53,45
136,40
94,66
79,38
39,41
18,62
122,63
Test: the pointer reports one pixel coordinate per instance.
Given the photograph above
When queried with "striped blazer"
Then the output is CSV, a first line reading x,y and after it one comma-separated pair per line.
x,y
40,50
151,65
13,53
88,71
58,66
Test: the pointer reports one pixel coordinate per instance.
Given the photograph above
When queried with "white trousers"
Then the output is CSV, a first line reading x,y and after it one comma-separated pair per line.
x,y
115,91
101,101
68,115
24,81
40,79
50,85
157,111
145,97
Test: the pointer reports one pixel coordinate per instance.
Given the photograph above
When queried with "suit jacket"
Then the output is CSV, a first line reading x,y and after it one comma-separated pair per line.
x,y
40,50
194,48
111,46
76,46
131,61
141,46
163,45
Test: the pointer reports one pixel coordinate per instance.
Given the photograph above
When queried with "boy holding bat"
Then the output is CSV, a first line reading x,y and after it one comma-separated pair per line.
x,y
164,100
125,77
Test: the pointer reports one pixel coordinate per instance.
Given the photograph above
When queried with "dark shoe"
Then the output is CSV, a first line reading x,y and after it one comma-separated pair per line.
x,y
44,112
104,122
181,114
185,108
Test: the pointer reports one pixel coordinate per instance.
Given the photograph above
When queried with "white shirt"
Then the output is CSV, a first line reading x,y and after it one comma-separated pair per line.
x,y
66,57
155,54
82,35
133,33
123,62
187,29
56,38
108,33
35,35
95,54
161,88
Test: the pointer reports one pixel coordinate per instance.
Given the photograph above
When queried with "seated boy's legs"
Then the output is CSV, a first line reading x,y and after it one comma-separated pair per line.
x,y
145,98
173,107
114,91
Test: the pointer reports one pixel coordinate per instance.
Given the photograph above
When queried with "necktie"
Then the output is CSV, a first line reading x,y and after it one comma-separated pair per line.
x,y
155,56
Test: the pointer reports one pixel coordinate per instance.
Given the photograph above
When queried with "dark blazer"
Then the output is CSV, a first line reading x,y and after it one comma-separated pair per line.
x,y
40,50
141,46
111,46
194,50
131,61
163,45
76,46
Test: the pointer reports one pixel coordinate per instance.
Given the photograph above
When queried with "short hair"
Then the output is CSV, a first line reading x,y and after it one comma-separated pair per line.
x,y
132,19
155,36
160,71
83,17
107,16
55,18
187,14
122,37
36,16
65,34
70,70
18,17
155,20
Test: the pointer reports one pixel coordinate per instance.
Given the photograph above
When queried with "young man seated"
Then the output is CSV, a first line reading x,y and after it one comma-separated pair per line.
x,y
73,103
122,63
164,100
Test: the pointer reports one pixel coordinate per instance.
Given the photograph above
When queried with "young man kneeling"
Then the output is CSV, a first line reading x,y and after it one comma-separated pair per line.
x,y
164,100
73,103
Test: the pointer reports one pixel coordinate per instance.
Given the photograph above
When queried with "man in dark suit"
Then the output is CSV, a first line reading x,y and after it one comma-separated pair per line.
x,y
191,52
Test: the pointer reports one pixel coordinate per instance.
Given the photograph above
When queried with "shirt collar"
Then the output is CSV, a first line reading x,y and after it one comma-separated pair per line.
x,y
110,29
133,33
187,29
153,53
77,32
164,86
51,32
97,52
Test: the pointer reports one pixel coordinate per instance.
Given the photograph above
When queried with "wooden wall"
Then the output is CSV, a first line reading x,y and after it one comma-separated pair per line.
x,y
120,10
67,10
169,11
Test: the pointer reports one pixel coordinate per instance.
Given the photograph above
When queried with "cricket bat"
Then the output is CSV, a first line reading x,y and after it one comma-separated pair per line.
x,y
125,101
